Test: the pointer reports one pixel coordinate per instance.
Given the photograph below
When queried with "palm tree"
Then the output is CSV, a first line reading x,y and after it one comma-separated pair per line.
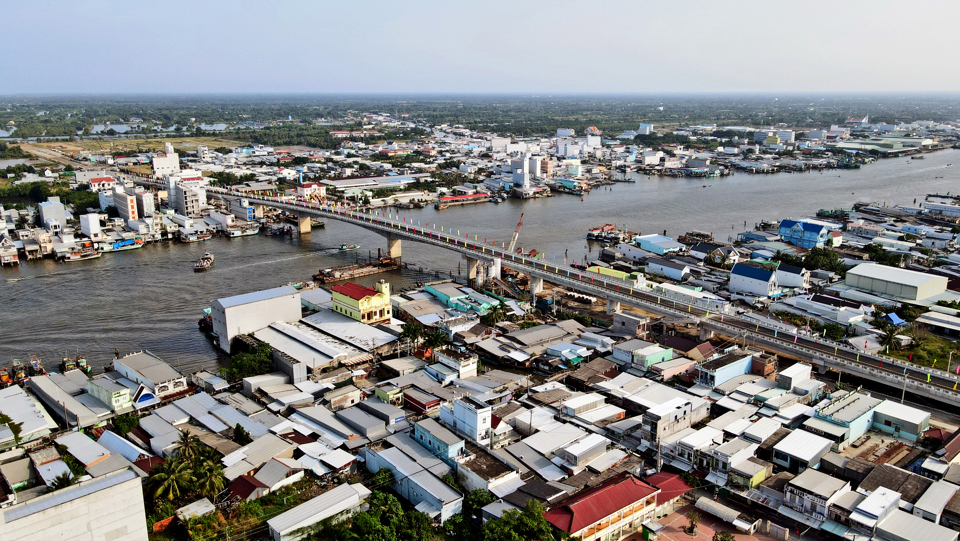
x,y
496,314
190,446
63,480
435,339
170,480
412,331
210,479
694,519
889,338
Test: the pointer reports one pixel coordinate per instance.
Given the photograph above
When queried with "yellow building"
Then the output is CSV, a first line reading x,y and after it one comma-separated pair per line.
x,y
364,304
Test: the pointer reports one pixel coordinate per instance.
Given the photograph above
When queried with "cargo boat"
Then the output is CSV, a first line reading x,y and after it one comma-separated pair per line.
x,y
204,263
349,272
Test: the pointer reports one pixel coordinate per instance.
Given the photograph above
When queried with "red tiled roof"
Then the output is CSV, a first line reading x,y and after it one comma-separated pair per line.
x,y
670,484
98,180
297,438
592,505
354,291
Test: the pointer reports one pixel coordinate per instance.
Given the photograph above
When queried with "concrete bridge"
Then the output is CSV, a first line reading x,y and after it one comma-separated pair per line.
x,y
924,381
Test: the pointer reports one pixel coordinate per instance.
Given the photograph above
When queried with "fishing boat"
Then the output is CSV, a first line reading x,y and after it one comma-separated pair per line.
x,y
206,235
74,363
35,368
248,231
82,252
345,247
5,378
187,236
917,158
597,232
19,372
204,263
234,232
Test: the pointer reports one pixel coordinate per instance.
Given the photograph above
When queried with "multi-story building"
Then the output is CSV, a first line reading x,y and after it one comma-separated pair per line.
x,y
470,418
803,234
53,215
157,379
438,440
464,363
90,226
812,492
364,304
126,205
110,393
756,281
146,203
242,314
609,512
166,164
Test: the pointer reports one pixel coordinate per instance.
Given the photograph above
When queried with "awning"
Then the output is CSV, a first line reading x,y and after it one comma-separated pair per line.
x,y
716,479
509,487
680,465
428,509
799,517
835,528
652,526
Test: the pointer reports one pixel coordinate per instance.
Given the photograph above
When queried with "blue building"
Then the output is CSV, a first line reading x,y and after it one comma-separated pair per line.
x,y
804,234
461,298
843,419
658,244
722,369
438,440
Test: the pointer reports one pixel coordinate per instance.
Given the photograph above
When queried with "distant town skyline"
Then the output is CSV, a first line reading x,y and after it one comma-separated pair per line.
x,y
543,48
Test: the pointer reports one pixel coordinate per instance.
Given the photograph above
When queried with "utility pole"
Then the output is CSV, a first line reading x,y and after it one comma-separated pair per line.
x,y
904,393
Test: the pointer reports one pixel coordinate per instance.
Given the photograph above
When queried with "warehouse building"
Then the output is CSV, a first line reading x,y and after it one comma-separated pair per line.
x,y
895,282
243,314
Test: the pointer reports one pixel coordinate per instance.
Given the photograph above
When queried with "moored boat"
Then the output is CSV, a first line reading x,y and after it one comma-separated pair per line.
x,y
5,378
35,368
19,372
75,363
82,252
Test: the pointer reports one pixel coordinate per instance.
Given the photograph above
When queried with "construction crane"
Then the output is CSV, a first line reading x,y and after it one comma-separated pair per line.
x,y
516,235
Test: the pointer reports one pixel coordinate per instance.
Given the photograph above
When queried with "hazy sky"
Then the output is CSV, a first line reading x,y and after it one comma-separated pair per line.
x,y
519,46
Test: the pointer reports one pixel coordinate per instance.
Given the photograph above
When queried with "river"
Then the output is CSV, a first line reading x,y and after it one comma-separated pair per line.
x,y
151,298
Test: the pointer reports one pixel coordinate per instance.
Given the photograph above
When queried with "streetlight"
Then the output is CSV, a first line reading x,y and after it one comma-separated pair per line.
x,y
950,358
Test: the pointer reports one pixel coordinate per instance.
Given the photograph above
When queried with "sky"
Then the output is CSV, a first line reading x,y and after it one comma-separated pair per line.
x,y
493,46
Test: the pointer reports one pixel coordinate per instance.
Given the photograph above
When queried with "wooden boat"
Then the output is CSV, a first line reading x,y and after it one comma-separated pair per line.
x,y
35,368
345,247
5,378
204,263
19,372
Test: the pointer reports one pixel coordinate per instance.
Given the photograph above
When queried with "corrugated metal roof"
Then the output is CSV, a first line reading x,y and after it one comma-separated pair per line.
x,y
231,417
155,426
172,414
83,448
326,505
121,446
256,296
65,495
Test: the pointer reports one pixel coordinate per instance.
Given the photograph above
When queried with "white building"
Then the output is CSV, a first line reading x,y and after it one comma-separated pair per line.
x,y
53,215
645,129
469,418
895,282
243,314
126,205
755,281
106,507
156,378
565,132
166,164
90,226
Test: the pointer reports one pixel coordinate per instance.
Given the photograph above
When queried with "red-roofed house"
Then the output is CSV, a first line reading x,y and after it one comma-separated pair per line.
x,y
246,488
608,512
309,190
364,304
672,488
102,184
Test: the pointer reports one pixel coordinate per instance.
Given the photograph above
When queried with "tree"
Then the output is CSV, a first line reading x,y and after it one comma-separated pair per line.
x,y
209,475
241,436
415,526
63,480
412,331
495,315
15,428
170,480
435,339
190,446
384,507
125,423
254,363
723,536
521,525
889,338
383,478
475,500
694,518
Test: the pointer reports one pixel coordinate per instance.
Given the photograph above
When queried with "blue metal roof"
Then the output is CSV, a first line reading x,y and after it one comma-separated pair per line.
x,y
755,273
815,228
247,298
